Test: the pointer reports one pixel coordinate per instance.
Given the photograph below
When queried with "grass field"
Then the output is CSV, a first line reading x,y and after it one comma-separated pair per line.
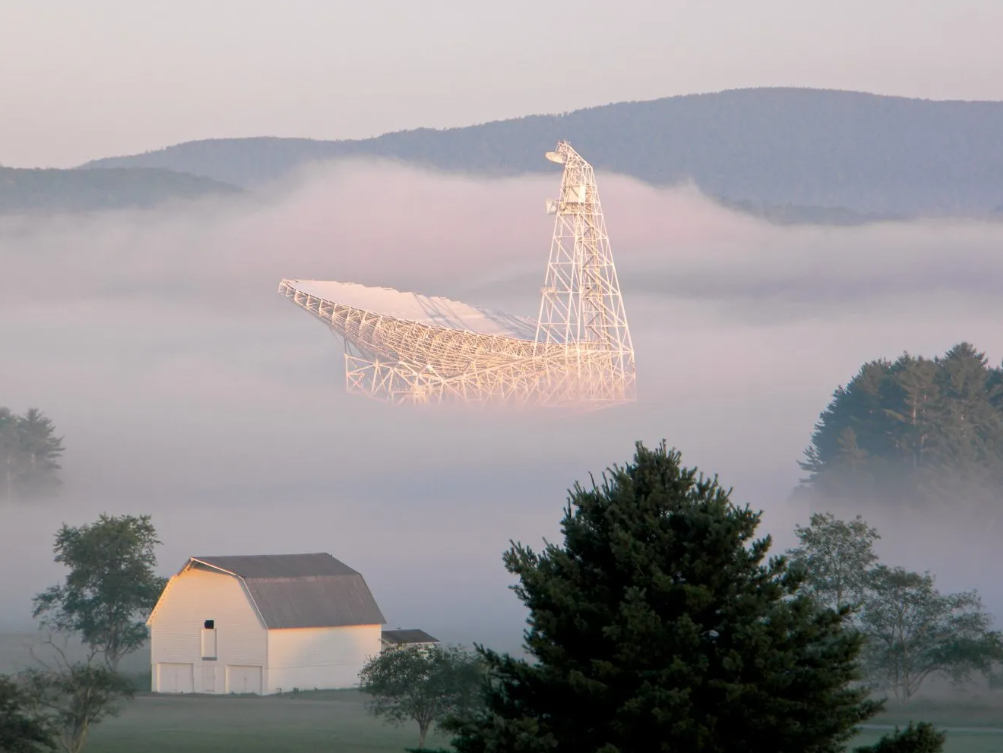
x,y
963,741
316,721
336,721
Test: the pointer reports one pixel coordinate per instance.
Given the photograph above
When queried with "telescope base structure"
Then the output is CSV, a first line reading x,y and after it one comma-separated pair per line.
x,y
535,382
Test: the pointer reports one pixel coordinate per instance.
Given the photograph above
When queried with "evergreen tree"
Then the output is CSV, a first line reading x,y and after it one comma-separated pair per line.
x,y
40,448
29,450
851,442
921,432
913,408
659,625
11,455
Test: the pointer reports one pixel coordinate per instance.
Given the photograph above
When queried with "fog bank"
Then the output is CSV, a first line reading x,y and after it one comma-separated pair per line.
x,y
186,387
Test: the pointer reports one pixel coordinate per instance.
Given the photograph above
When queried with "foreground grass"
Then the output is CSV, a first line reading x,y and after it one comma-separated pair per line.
x,y
978,712
337,721
957,742
972,726
320,721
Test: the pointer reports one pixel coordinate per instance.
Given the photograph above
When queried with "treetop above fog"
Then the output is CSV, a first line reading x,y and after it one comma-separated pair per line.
x,y
915,430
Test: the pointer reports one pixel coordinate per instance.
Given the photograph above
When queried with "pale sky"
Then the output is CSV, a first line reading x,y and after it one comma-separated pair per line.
x,y
81,80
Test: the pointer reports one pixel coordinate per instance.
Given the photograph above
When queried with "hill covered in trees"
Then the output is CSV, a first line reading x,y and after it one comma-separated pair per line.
x,y
913,433
780,152
52,190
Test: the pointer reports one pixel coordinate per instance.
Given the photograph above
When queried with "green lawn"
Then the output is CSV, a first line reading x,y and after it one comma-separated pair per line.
x,y
336,721
322,721
973,726
957,742
984,711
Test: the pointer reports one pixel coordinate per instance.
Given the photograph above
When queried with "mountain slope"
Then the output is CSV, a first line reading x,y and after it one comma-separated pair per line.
x,y
51,190
807,147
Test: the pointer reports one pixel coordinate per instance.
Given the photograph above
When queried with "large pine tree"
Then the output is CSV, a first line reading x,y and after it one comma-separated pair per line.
x,y
660,625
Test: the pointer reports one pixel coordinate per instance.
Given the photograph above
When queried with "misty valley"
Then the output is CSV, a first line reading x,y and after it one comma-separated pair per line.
x,y
778,534
917,436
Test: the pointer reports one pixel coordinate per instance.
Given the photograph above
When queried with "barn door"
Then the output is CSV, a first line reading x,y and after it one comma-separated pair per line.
x,y
175,678
243,679
208,678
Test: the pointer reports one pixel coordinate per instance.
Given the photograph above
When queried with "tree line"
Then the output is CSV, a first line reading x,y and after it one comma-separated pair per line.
x,y
915,432
29,455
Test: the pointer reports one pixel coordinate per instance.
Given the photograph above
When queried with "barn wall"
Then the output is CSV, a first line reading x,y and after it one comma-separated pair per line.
x,y
176,634
308,658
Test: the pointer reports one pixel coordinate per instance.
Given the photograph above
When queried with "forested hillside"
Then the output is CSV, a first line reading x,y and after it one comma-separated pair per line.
x,y
915,432
773,147
83,190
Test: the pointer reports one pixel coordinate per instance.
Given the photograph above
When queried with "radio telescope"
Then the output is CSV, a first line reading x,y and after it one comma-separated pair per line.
x,y
410,348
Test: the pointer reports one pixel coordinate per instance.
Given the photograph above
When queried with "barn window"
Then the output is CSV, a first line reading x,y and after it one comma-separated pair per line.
x,y
209,639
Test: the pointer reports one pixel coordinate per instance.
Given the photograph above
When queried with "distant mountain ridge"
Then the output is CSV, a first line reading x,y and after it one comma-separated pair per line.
x,y
60,191
845,152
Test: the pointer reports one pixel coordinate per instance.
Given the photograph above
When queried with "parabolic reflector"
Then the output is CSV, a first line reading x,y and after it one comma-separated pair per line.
x,y
411,348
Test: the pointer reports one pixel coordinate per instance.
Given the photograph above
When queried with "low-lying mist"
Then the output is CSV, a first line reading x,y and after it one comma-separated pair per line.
x,y
186,387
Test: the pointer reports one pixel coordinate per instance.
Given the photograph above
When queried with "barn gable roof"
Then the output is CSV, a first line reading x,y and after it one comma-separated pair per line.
x,y
300,590
279,565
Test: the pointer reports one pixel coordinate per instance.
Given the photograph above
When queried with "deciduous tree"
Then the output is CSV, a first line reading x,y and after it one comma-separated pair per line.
x,y
21,729
837,557
111,587
914,632
422,684
74,695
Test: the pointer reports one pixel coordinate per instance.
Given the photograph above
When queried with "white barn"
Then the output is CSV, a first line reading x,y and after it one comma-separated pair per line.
x,y
262,624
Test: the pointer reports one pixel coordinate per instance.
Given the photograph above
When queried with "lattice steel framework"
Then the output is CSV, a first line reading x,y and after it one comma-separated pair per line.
x,y
582,355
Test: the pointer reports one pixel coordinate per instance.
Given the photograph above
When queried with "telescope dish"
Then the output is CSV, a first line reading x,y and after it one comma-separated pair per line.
x,y
405,347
